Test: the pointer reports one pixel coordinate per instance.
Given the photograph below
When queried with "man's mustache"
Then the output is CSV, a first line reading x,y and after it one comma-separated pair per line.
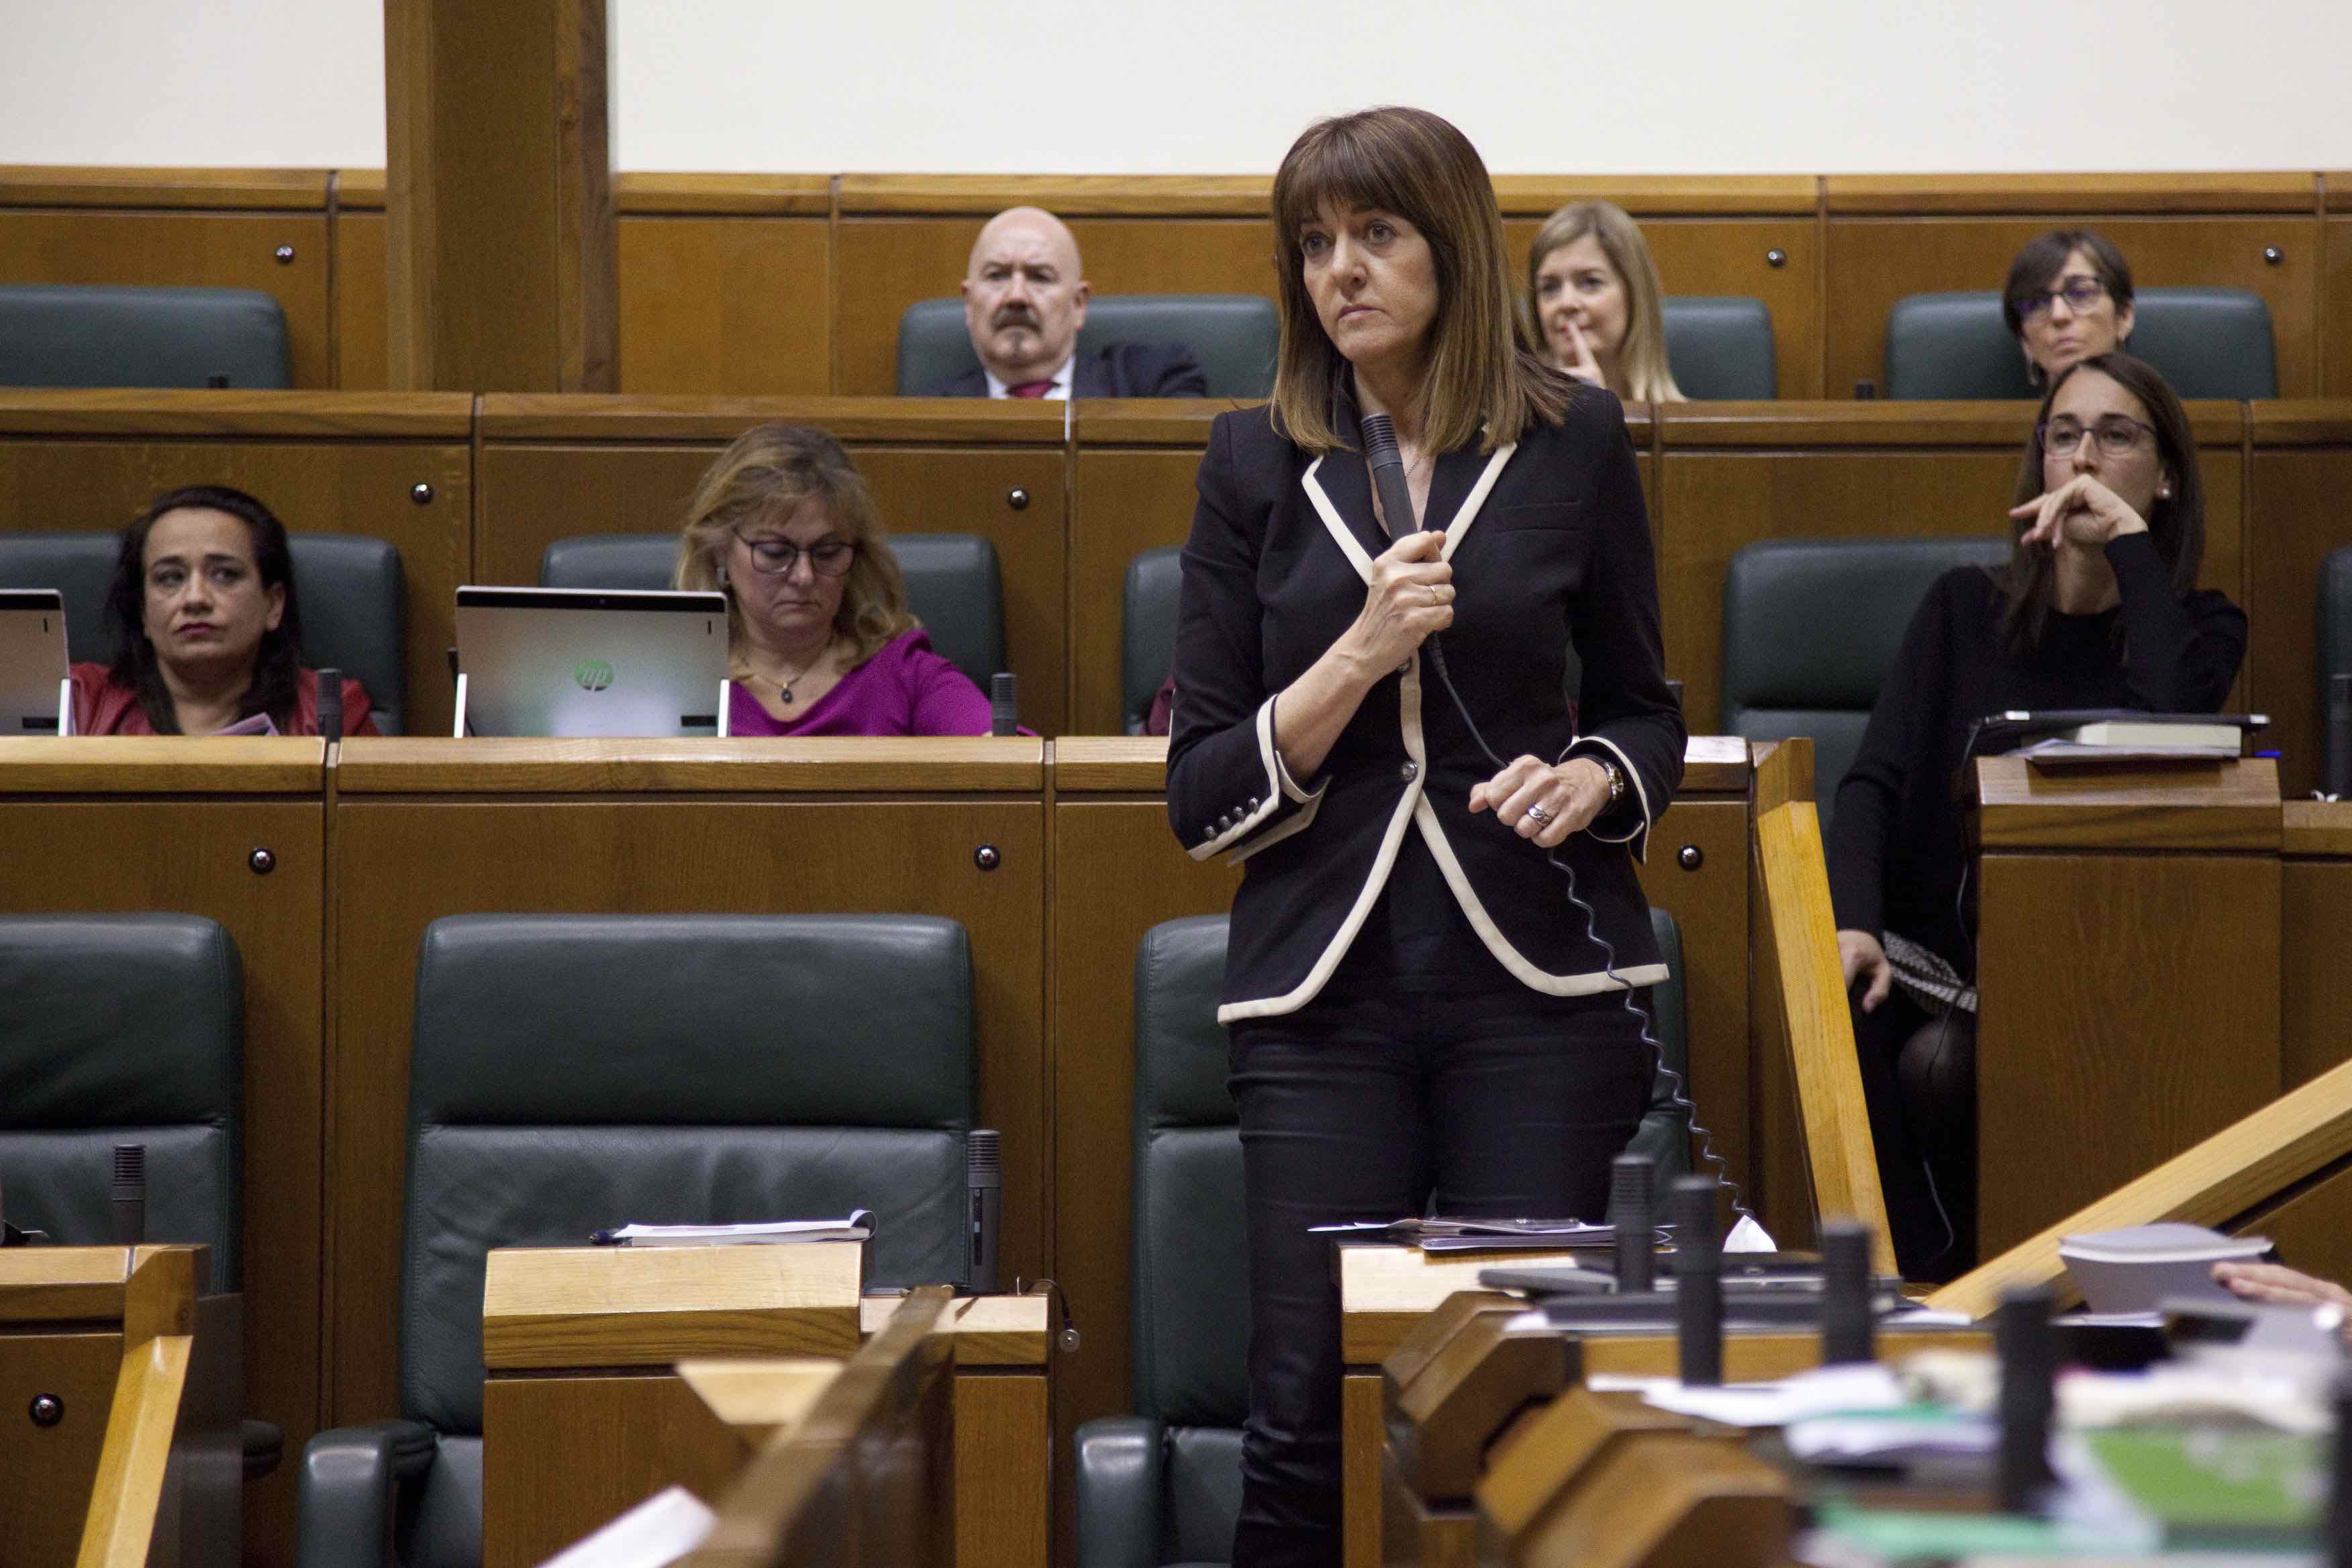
x,y
1014,316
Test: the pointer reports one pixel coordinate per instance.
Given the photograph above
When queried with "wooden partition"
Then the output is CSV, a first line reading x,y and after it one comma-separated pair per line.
x,y
398,467
552,465
2315,913
234,831
2299,473
791,284
425,828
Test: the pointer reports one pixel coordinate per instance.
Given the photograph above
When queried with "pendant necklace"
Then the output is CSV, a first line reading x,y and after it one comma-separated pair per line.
x,y
784,688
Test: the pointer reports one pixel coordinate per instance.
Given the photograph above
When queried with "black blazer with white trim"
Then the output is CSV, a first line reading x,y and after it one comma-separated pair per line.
x,y
1550,546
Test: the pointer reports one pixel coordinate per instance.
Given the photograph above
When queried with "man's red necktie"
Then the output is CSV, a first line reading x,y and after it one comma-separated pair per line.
x,y
1031,389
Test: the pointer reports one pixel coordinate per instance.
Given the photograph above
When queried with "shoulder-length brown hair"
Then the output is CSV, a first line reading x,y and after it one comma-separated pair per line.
x,y
1486,379
2175,523
763,476
1643,352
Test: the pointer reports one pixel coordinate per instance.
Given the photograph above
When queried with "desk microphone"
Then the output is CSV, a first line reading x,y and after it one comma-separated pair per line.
x,y
2028,1348
2340,736
1847,1329
330,704
1632,1212
1004,704
984,1182
1699,1282
130,1192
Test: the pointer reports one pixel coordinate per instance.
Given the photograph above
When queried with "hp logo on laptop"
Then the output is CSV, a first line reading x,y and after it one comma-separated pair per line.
x,y
592,674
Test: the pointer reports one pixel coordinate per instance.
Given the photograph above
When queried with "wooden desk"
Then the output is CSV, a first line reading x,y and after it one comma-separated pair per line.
x,y
2315,914
611,1372
425,829
113,1369
396,467
131,825
2127,966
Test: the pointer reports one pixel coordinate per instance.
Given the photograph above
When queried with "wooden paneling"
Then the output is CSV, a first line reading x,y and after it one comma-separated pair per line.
x,y
2298,505
362,486
887,263
2167,1037
361,352
2335,310
2315,982
560,1455
207,249
2222,192
95,855
1709,902
51,1469
1872,262
1003,1472
727,304
1124,501
1724,256
401,863
536,491
93,186
1825,471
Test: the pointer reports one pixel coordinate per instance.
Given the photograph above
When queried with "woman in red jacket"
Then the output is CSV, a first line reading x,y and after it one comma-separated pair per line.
x,y
207,630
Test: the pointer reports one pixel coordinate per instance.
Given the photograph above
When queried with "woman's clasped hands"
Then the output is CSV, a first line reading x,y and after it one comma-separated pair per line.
x,y
2082,511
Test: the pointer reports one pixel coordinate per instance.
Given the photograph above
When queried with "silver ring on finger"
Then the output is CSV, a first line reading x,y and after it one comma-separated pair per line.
x,y
1435,600
1538,815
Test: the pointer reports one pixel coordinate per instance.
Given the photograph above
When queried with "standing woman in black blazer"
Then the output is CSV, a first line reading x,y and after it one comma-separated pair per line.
x,y
1418,1008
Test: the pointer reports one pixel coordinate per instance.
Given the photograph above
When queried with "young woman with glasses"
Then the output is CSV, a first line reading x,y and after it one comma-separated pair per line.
x,y
2069,297
2097,608
820,641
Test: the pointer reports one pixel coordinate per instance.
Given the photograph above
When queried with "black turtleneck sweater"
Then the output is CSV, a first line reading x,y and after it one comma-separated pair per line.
x,y
1896,847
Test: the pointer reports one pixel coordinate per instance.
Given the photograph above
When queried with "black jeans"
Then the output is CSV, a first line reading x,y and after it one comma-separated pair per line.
x,y
1501,1103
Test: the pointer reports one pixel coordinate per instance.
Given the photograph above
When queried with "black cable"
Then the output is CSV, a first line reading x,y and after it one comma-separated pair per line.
x,y
1677,1096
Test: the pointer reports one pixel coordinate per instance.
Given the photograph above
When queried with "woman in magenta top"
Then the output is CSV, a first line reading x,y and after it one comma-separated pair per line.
x,y
819,637
208,630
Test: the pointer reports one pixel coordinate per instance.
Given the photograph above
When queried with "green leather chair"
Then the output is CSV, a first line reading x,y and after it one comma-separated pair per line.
x,y
1811,627
1234,337
2335,659
1164,1486
353,604
953,584
1147,631
2207,342
84,334
126,1029
573,1072
1721,346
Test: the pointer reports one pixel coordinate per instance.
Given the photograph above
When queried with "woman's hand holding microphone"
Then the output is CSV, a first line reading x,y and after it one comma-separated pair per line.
x,y
1410,596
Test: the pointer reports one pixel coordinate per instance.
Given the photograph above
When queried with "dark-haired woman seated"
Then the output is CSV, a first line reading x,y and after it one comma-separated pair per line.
x,y
2068,298
2097,608
208,626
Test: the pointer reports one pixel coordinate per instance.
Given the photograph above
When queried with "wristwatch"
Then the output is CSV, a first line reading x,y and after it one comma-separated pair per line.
x,y
1616,780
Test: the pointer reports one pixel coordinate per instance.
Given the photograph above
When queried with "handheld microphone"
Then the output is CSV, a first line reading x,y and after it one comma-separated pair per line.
x,y
1633,1208
1003,703
130,1193
1388,474
2340,736
984,1181
1699,1283
330,704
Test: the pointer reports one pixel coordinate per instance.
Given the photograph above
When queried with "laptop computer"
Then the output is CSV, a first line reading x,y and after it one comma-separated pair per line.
x,y
590,661
33,663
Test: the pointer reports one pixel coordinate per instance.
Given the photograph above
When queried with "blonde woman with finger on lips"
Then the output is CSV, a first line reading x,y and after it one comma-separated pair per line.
x,y
1597,302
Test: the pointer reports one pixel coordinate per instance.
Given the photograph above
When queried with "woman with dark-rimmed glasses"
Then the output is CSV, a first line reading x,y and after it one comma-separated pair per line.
x,y
2068,298
820,641
2097,607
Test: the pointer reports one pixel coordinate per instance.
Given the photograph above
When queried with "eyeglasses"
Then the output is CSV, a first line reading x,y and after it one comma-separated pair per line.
x,y
776,557
2118,435
2080,294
